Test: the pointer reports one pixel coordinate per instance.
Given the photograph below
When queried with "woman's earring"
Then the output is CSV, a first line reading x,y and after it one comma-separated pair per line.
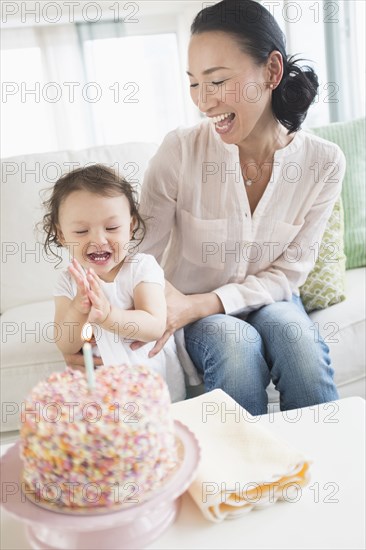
x,y
271,86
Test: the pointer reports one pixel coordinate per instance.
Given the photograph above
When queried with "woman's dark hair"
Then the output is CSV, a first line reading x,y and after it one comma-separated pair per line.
x,y
98,179
258,34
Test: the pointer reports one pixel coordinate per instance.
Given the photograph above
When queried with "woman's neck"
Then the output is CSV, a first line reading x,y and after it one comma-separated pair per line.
x,y
262,144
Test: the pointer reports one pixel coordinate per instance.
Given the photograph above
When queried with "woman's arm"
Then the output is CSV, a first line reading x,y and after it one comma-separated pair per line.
x,y
159,196
183,310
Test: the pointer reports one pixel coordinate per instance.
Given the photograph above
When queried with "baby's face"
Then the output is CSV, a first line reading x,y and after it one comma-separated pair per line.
x,y
96,230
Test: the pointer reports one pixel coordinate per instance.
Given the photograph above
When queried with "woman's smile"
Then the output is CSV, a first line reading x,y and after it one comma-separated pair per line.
x,y
224,123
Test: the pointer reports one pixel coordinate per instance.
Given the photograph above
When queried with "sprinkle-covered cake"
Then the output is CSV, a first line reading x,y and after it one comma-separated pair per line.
x,y
112,446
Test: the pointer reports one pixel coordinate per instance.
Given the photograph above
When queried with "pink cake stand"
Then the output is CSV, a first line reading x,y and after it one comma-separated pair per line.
x,y
131,528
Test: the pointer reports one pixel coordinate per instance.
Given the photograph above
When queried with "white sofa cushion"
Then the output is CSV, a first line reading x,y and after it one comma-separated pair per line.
x,y
25,358
343,328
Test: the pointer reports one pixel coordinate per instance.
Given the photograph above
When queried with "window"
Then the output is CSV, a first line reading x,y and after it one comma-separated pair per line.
x,y
26,120
139,85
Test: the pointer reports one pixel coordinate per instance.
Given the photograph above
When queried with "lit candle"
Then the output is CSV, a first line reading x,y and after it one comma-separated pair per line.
x,y
86,334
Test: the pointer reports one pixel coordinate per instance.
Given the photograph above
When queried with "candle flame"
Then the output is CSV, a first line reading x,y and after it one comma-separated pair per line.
x,y
87,332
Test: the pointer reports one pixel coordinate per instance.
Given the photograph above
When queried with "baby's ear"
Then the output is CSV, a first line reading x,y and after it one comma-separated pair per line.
x,y
60,236
133,225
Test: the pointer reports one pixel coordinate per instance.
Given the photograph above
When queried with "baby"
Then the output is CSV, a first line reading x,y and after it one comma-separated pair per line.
x,y
93,213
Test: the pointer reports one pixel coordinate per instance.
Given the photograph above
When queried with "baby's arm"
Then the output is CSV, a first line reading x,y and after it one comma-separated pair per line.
x,y
150,314
146,322
69,322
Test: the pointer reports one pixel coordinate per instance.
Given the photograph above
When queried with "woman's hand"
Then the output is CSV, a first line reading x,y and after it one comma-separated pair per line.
x,y
180,312
100,306
76,361
183,310
81,302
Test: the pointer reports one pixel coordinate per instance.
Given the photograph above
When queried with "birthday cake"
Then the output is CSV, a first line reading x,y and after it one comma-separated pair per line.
x,y
112,446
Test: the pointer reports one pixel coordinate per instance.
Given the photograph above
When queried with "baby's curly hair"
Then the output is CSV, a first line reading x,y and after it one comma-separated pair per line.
x,y
98,179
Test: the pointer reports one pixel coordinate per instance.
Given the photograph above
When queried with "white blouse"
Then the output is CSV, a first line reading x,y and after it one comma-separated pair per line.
x,y
200,227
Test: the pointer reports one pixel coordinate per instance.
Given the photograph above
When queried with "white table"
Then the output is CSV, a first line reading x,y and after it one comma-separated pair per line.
x,y
329,512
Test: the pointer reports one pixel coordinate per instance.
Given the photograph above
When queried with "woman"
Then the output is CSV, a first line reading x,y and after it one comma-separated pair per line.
x,y
226,198
235,207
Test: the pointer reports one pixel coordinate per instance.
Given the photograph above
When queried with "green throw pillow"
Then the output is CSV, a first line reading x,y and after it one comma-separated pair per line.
x,y
350,136
326,282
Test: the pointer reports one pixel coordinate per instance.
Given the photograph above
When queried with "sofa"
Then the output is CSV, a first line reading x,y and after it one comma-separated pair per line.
x,y
28,351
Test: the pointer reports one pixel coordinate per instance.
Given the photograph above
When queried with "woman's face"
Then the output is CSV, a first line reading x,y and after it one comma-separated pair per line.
x,y
226,81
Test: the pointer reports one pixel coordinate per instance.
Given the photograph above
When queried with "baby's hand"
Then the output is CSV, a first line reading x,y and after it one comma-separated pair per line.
x,y
100,306
81,302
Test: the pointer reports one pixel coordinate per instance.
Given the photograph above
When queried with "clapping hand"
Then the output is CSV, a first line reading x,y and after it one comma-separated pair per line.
x,y
81,302
100,306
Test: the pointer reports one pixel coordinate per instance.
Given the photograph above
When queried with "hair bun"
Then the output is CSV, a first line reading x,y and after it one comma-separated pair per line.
x,y
294,95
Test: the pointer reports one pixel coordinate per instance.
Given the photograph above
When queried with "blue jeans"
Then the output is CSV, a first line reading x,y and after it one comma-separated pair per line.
x,y
277,342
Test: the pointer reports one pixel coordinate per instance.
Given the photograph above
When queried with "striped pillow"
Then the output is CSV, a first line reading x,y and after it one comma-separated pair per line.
x,y
350,136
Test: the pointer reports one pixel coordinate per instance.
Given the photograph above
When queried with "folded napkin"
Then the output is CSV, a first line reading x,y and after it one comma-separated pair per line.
x,y
243,465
